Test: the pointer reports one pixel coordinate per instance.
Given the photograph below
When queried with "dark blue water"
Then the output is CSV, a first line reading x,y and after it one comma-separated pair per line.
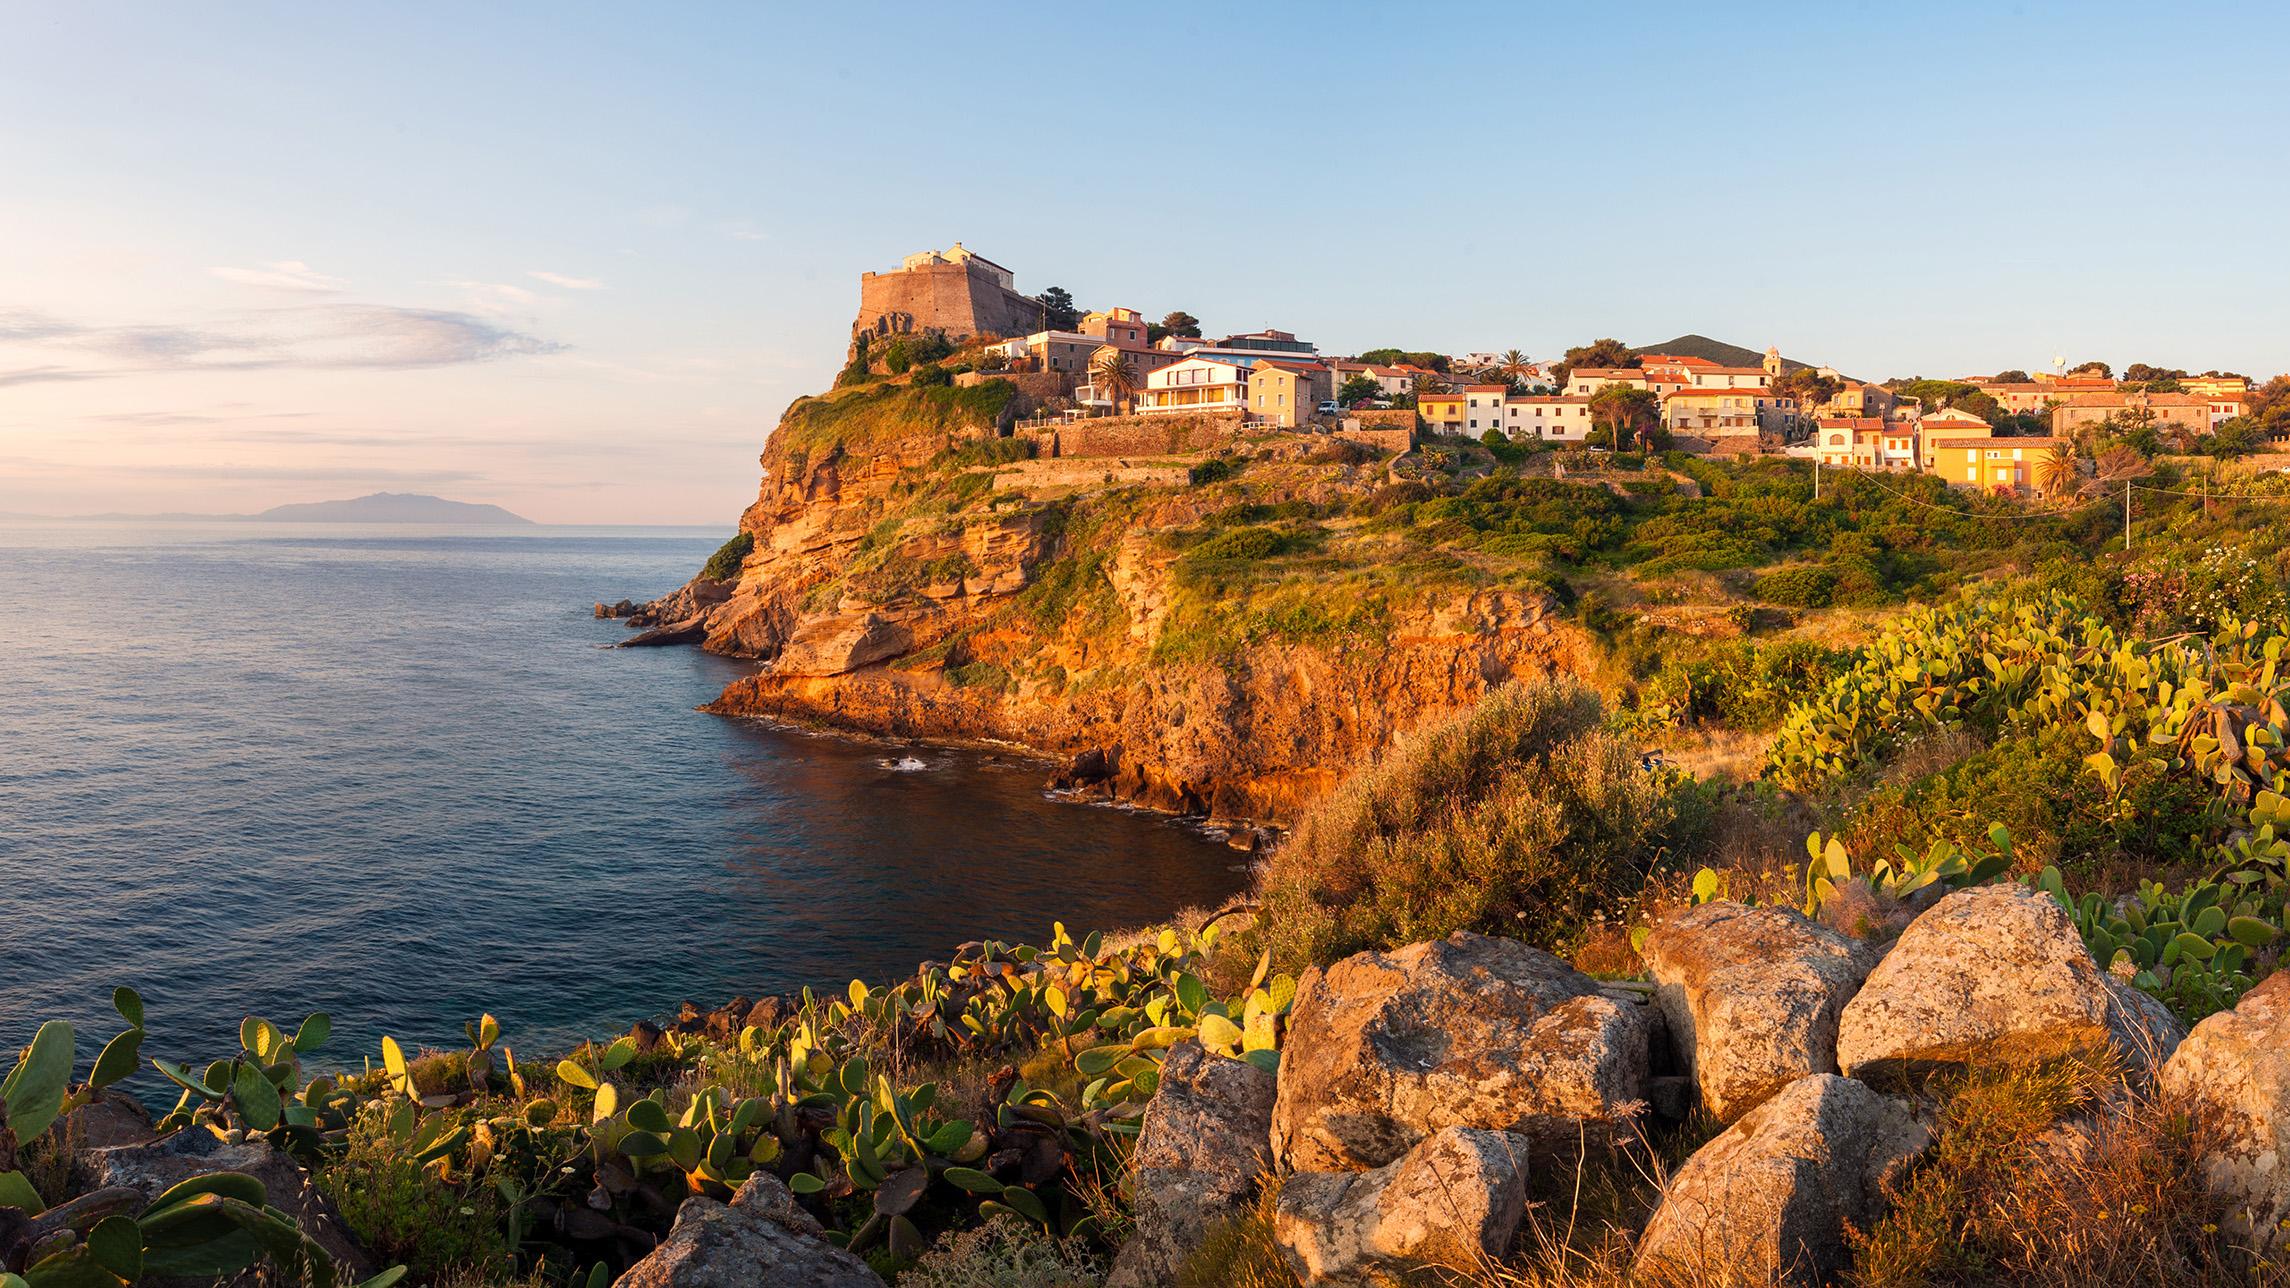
x,y
389,774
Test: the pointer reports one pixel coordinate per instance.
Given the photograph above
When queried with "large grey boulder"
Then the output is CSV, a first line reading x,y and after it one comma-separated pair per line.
x,y
152,1167
1995,973
1205,1141
761,1237
1751,998
1769,1199
1454,1200
1386,1048
2236,1065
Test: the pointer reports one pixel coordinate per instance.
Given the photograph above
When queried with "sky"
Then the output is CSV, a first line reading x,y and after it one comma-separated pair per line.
x,y
575,260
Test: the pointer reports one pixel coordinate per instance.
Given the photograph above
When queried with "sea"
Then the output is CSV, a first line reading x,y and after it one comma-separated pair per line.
x,y
400,775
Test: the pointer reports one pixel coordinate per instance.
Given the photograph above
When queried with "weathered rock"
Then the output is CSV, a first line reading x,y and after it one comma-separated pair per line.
x,y
153,1167
2237,1065
1453,1200
1994,973
842,642
1751,997
111,1119
1769,1199
1204,1144
1386,1048
761,1237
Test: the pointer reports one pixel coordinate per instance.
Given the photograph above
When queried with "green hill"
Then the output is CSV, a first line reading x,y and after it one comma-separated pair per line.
x,y
1717,351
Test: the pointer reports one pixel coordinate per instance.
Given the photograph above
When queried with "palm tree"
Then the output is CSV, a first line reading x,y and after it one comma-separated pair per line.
x,y
1514,366
2056,471
1114,375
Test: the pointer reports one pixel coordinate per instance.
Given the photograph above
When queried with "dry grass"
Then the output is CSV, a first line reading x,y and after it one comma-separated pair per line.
x,y
1241,1253
2059,1175
1522,816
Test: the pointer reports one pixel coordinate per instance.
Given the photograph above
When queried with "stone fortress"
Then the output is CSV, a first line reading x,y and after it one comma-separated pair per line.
x,y
956,291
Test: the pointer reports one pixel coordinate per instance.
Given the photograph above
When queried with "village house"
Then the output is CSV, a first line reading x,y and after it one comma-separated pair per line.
x,y
2038,395
1855,399
1441,413
1719,412
1553,418
1846,442
1287,393
1124,327
1195,384
1585,381
1483,408
2215,386
1991,464
1950,423
2078,412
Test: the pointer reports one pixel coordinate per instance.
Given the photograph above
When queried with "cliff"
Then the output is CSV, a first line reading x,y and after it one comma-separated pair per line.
x,y
1219,631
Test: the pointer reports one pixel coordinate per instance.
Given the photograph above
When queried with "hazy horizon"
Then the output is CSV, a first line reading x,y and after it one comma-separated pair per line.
x,y
576,263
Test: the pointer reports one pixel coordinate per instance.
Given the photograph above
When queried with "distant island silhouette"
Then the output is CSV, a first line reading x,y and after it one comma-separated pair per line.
x,y
378,507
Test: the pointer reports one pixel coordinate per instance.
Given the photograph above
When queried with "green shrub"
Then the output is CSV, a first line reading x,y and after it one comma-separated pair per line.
x,y
1216,470
725,563
1523,817
1798,587
404,1211
1239,545
931,375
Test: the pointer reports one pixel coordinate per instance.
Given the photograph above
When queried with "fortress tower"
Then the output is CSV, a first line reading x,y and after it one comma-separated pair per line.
x,y
956,291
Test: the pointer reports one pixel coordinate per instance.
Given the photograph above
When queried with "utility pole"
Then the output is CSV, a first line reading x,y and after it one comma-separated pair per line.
x,y
1816,478
2126,514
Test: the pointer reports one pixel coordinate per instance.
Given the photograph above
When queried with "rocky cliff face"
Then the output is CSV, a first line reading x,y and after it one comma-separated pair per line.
x,y
930,586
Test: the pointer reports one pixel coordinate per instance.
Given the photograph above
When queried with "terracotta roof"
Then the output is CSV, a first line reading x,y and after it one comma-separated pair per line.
x,y
1607,371
1850,422
1569,399
1486,389
2135,399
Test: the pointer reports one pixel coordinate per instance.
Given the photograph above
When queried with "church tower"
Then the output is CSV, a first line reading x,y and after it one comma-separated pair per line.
x,y
1773,361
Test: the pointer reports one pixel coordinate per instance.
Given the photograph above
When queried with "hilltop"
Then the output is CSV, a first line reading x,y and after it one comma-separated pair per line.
x,y
1717,351
392,507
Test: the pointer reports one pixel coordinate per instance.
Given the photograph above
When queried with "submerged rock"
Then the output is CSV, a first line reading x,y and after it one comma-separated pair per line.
x,y
2236,1064
1204,1144
1385,1049
1454,1201
1751,997
1995,973
1769,1199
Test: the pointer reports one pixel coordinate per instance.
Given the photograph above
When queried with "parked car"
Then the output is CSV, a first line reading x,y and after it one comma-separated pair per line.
x,y
1329,408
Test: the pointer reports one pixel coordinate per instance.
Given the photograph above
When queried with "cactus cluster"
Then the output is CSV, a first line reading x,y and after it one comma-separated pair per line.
x,y
209,1226
2196,948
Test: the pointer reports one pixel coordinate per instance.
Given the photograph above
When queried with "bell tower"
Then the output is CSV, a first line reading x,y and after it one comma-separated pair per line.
x,y
1773,361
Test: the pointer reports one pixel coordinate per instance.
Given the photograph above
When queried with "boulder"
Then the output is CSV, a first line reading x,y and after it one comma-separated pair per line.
x,y
2236,1064
761,1237
840,642
1454,1200
1769,1199
1386,1048
1751,997
110,1119
1204,1143
1994,972
152,1167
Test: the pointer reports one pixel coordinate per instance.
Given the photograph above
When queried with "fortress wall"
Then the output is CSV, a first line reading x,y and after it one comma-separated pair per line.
x,y
941,297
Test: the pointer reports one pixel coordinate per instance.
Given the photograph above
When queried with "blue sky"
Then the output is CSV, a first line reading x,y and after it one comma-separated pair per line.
x,y
576,259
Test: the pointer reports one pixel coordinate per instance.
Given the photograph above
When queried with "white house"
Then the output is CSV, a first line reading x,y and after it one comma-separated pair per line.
x,y
1553,418
1195,384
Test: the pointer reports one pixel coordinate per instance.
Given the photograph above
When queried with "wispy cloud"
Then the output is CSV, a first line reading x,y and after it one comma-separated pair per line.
x,y
284,275
319,336
742,230
566,281
495,298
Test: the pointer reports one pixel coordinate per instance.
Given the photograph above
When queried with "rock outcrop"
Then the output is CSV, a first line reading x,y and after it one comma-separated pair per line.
x,y
1751,997
880,591
1994,973
1204,1144
1454,1200
761,1237
2236,1065
1384,1049
152,1167
1769,1199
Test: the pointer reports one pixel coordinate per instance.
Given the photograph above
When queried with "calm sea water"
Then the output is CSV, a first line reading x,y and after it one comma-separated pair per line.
x,y
389,773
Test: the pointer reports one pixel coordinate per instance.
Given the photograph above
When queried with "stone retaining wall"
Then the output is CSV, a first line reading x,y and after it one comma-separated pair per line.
x,y
1143,436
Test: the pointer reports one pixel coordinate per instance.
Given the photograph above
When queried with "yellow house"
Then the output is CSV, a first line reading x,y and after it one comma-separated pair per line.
x,y
1285,394
1992,464
1442,413
1714,411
